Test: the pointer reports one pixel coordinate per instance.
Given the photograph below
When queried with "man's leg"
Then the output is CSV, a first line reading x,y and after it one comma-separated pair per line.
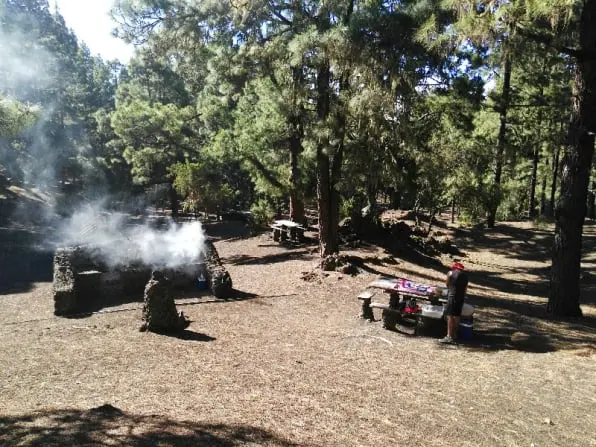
x,y
452,325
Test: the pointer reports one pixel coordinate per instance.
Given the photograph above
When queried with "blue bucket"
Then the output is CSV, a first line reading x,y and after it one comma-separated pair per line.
x,y
466,330
202,283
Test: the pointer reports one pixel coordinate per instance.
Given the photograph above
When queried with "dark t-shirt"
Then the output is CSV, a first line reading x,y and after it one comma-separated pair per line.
x,y
457,283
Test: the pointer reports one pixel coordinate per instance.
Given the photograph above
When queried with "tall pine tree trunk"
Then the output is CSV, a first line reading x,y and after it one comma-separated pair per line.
x,y
503,108
533,182
591,204
297,133
543,192
329,160
174,202
535,161
555,178
327,234
564,296
296,202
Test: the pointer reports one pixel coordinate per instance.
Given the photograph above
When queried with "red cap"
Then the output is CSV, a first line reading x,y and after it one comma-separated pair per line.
x,y
457,266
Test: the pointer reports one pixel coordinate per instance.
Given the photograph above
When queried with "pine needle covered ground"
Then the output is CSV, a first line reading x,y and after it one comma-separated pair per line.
x,y
289,363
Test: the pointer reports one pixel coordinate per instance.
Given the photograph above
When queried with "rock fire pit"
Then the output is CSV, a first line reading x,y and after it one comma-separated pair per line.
x,y
84,282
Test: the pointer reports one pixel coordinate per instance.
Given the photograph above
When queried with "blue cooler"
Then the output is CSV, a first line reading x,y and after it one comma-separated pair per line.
x,y
466,329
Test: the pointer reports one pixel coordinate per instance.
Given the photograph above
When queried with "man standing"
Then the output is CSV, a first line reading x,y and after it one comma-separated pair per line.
x,y
457,284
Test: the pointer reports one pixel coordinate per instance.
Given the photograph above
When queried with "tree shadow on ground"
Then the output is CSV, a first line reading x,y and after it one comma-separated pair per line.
x,y
108,425
490,280
232,229
509,324
527,244
267,259
189,335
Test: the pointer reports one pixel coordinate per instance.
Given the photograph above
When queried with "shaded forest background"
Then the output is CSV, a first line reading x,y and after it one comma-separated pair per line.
x,y
477,108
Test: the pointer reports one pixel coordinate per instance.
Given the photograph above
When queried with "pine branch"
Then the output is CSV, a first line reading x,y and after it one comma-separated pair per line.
x,y
269,176
549,41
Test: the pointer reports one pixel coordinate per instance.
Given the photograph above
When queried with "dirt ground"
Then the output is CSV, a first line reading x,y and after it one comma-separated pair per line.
x,y
288,362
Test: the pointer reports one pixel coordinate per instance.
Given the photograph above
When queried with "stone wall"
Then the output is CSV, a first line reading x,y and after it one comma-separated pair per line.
x,y
83,284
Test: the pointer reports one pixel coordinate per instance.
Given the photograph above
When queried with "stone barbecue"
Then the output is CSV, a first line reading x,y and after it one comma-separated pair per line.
x,y
85,282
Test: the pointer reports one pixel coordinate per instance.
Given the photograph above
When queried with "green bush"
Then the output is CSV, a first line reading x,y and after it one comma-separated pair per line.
x,y
263,212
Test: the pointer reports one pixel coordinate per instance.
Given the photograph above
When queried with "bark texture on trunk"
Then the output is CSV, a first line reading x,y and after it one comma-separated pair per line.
x,y
533,182
295,143
555,179
296,201
329,161
501,139
570,212
174,203
591,213
536,155
543,192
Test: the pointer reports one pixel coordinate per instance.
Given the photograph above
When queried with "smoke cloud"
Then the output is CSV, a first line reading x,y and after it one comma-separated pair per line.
x,y
117,239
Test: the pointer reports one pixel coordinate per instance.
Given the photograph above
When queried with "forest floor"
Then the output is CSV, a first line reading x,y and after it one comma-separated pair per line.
x,y
288,362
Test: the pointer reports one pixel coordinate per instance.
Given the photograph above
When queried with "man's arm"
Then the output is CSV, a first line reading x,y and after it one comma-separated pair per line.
x,y
448,278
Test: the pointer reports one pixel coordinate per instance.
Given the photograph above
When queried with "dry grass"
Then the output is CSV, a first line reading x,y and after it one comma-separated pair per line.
x,y
291,364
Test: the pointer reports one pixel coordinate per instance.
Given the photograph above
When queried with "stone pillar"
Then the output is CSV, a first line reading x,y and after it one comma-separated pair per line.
x,y
159,309
65,299
219,279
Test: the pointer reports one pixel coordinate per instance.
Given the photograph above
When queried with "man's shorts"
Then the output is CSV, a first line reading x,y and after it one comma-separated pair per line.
x,y
454,307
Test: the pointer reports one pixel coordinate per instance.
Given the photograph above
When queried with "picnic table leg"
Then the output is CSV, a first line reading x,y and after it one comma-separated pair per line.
x,y
276,235
390,319
367,312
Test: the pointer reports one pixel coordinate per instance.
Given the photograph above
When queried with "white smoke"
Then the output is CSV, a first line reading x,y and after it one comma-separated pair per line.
x,y
22,67
118,240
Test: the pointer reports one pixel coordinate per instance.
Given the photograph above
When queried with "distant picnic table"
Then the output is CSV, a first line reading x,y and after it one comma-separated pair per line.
x,y
283,230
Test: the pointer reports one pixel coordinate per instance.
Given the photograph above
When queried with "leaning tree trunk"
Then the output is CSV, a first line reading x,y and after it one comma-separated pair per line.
x,y
219,279
503,106
564,296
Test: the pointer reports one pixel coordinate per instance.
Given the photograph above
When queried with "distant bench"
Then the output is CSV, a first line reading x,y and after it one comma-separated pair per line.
x,y
283,230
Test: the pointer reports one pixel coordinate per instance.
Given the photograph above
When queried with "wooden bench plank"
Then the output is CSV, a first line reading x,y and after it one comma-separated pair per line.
x,y
384,307
366,294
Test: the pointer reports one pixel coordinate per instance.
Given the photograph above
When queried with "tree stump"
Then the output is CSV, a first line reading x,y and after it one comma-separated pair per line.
x,y
220,281
159,309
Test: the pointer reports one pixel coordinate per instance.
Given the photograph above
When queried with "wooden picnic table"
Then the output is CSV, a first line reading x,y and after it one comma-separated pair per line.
x,y
401,293
282,230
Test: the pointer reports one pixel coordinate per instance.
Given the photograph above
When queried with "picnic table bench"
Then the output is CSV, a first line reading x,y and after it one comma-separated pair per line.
x,y
283,230
403,292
